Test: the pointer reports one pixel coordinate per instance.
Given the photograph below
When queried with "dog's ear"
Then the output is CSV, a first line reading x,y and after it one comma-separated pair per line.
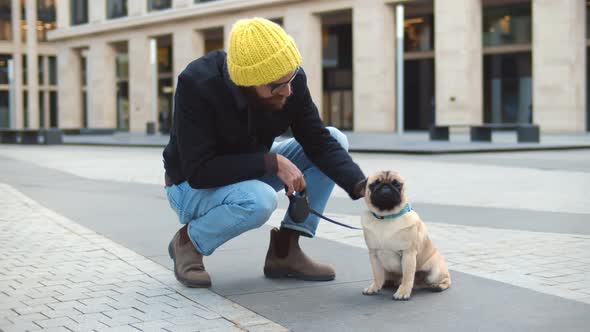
x,y
360,188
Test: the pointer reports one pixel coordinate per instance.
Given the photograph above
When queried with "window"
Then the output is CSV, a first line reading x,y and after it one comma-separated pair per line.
x,y
213,39
165,83
23,21
506,25
84,91
508,88
42,121
40,70
47,81
159,4
79,11
25,109
419,33
83,70
25,81
5,20
45,18
587,67
4,68
4,93
4,109
116,8
53,118
52,70
122,72
337,46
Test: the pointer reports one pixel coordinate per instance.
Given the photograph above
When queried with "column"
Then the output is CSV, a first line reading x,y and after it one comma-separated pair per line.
x,y
102,86
32,65
459,61
45,84
559,58
226,32
18,119
62,9
181,3
136,7
373,33
187,45
306,29
97,10
69,89
139,84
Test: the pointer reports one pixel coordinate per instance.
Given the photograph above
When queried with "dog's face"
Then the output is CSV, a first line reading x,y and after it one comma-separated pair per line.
x,y
385,193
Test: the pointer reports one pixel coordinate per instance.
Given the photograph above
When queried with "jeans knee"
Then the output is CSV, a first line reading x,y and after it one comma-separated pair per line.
x,y
264,199
339,136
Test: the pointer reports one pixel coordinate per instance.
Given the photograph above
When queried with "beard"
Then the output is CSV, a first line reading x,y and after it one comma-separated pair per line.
x,y
271,104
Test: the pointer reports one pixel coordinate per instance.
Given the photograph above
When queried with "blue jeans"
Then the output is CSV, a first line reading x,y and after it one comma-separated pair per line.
x,y
216,215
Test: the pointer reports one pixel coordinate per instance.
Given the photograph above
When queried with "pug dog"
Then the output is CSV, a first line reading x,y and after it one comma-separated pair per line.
x,y
399,247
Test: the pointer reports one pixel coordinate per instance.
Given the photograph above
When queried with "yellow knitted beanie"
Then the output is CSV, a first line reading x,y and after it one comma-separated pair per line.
x,y
260,52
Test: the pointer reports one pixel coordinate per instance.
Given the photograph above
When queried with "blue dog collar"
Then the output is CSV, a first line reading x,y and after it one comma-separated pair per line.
x,y
405,210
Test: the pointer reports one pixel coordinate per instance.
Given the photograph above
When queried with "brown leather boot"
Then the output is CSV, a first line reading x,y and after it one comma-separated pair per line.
x,y
286,259
188,262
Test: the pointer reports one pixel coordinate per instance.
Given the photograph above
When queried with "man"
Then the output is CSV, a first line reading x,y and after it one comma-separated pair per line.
x,y
223,168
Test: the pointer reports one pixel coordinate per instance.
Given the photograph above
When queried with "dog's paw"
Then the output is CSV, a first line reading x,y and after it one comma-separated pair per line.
x,y
371,290
402,294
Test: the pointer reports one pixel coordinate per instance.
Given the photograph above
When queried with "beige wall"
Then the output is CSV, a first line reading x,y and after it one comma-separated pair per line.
x,y
17,121
374,69
559,62
181,3
63,14
187,45
306,29
140,91
136,8
102,84
458,64
69,91
97,10
32,66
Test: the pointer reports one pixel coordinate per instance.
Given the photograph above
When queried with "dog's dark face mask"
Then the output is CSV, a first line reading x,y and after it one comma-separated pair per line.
x,y
385,194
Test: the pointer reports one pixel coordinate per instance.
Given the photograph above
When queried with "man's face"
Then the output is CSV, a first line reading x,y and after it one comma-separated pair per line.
x,y
273,96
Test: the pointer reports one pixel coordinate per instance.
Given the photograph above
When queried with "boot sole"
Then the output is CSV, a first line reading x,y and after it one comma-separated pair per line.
x,y
181,280
277,274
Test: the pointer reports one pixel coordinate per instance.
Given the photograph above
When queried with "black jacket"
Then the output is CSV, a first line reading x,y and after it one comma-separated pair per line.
x,y
216,140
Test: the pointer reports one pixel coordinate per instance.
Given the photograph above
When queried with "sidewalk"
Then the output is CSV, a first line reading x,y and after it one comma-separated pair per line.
x,y
57,275
409,143
518,249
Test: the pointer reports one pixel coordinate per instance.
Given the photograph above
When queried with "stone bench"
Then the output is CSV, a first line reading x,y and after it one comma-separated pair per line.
x,y
31,136
525,132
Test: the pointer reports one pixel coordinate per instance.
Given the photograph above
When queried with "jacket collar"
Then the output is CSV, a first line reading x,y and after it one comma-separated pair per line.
x,y
237,94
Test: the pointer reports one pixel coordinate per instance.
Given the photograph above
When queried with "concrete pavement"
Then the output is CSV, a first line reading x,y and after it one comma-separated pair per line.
x,y
524,260
60,276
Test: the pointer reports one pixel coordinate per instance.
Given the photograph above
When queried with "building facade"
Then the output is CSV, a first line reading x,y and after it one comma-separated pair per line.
x,y
464,61
28,64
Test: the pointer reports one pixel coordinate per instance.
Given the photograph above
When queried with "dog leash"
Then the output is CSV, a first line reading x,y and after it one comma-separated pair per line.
x,y
299,210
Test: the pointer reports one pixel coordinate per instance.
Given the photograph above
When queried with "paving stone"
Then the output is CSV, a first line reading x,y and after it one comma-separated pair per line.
x,y
55,322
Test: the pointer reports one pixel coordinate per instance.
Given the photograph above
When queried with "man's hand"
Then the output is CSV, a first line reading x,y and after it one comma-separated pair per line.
x,y
360,188
290,175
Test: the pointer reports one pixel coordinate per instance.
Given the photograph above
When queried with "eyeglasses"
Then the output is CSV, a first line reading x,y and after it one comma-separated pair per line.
x,y
277,86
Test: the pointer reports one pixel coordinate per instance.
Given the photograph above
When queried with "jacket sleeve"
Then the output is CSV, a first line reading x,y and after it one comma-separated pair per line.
x,y
323,149
195,130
